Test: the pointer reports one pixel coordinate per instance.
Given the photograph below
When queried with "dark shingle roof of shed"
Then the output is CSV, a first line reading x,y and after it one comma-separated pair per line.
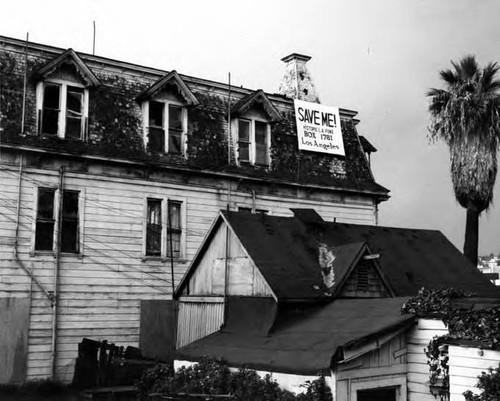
x,y
303,342
285,250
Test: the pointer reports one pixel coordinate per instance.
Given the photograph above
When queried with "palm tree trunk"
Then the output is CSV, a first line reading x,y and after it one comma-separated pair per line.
x,y
471,235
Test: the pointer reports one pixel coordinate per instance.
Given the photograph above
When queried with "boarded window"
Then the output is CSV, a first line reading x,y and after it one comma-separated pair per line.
x,y
244,140
174,129
261,145
153,229
174,230
51,108
74,112
69,224
44,234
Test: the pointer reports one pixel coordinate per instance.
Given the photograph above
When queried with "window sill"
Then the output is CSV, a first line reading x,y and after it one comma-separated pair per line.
x,y
51,253
162,259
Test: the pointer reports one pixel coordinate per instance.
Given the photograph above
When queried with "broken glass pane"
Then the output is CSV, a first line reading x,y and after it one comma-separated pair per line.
x,y
156,114
174,117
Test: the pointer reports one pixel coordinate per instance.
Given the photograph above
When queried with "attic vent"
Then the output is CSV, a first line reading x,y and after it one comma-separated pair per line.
x,y
362,283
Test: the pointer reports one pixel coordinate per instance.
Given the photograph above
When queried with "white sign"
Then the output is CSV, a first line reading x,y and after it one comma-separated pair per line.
x,y
318,128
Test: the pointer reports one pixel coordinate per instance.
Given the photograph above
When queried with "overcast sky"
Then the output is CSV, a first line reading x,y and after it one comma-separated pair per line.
x,y
378,57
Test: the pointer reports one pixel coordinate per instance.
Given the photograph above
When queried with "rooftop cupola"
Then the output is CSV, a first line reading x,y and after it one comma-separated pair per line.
x,y
297,82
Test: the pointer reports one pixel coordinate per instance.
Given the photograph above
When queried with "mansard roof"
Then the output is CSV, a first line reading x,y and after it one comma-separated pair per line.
x,y
171,78
70,57
256,98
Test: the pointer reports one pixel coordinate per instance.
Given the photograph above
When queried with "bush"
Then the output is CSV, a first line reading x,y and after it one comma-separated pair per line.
x,y
212,376
489,383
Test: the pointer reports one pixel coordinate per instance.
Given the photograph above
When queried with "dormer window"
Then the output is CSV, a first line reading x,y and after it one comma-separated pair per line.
x,y
254,138
167,122
62,109
164,107
62,96
252,128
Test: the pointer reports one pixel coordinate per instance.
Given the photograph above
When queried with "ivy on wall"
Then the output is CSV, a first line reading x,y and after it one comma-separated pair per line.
x,y
114,118
206,140
11,92
476,326
114,129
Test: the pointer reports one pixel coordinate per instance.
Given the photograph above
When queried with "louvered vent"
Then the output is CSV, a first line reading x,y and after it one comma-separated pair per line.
x,y
362,283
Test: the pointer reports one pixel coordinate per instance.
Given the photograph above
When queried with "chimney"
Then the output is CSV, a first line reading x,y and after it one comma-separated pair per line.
x,y
297,82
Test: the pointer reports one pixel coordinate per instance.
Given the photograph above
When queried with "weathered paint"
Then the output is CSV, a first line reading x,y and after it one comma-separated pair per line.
x,y
243,277
382,367
101,288
14,317
466,364
197,320
418,371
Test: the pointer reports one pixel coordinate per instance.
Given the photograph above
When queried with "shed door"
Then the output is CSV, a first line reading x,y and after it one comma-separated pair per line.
x,y
381,394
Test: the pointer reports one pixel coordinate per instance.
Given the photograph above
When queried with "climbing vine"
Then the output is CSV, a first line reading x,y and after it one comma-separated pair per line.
x,y
206,140
479,326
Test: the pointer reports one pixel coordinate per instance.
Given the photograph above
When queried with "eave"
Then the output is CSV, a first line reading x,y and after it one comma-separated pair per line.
x,y
379,195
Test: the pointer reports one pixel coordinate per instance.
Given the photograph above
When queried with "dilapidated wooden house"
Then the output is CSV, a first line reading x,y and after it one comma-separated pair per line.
x,y
111,174
294,296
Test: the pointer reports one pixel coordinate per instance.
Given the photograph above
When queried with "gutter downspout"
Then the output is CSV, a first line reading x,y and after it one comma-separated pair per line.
x,y
56,275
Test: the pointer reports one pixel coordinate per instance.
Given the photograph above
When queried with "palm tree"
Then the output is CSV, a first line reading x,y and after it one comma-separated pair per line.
x,y
466,116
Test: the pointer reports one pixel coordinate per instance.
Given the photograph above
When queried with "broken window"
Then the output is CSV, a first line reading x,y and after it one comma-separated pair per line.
x,y
156,134
45,220
165,118
261,145
62,110
174,129
153,229
174,229
69,224
74,112
51,108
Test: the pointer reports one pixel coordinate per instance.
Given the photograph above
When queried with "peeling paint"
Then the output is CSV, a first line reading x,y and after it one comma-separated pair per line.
x,y
326,258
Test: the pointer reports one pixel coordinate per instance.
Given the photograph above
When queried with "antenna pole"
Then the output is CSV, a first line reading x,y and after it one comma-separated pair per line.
x,y
93,40
24,83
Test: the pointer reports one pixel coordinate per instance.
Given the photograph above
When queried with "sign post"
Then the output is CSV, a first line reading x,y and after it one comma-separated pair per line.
x,y
318,128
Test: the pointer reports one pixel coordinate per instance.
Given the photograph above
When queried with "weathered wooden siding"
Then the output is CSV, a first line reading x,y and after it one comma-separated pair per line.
x,y
418,371
243,277
14,318
383,367
198,318
101,288
466,364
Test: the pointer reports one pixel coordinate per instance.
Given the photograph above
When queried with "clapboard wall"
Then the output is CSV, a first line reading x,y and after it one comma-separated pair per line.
x,y
418,371
100,288
466,364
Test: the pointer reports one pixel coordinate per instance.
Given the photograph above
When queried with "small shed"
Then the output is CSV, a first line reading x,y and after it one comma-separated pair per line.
x,y
295,296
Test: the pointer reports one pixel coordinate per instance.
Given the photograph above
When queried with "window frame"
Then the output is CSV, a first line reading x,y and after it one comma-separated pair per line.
x,y
252,149
63,107
166,132
164,227
58,199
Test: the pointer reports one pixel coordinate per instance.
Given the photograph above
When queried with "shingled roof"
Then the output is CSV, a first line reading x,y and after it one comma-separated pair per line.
x,y
302,341
285,250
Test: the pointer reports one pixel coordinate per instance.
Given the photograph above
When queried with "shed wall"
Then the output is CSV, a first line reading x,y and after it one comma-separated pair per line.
x,y
466,364
418,371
